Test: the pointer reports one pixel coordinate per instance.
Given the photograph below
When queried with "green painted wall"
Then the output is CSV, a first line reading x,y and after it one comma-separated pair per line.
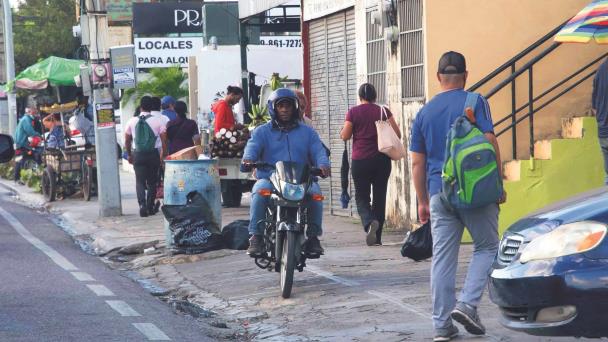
x,y
576,166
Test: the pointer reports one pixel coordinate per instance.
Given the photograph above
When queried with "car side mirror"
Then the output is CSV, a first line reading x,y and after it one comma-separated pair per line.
x,y
7,151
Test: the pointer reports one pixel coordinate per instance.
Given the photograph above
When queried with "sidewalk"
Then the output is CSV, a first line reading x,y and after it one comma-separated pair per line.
x,y
353,293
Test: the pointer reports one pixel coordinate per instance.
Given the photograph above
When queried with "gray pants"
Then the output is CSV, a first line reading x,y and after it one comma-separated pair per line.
x,y
447,227
604,146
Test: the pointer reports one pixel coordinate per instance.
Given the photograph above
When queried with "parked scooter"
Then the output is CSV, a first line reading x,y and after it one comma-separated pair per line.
x,y
285,223
31,156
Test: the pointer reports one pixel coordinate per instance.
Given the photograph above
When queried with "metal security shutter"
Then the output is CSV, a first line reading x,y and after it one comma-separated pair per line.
x,y
318,88
333,92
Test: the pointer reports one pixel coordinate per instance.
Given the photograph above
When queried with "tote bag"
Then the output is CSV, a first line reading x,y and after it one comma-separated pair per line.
x,y
388,141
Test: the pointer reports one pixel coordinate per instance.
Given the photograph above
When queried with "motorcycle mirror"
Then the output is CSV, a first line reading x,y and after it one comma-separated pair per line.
x,y
7,151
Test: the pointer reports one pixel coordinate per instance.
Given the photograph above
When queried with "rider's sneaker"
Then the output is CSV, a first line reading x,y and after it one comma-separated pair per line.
x,y
313,246
256,246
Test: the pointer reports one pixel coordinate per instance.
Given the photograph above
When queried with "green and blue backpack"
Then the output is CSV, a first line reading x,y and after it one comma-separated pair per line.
x,y
145,139
470,177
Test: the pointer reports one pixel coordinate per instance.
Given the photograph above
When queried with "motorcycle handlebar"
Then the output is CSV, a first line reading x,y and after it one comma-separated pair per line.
x,y
316,172
250,166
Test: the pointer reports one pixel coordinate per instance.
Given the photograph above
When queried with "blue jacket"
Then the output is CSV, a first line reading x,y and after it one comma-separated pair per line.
x,y
25,129
269,144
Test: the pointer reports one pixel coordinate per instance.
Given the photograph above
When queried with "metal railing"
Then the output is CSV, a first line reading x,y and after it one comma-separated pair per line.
x,y
535,103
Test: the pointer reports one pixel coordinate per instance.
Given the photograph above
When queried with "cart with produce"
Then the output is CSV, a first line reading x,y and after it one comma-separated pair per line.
x,y
227,146
69,169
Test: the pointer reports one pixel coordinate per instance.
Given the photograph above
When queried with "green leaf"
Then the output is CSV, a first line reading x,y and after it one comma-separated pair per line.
x,y
163,81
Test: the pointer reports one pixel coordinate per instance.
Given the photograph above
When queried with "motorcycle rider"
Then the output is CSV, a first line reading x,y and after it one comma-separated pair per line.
x,y
284,138
25,130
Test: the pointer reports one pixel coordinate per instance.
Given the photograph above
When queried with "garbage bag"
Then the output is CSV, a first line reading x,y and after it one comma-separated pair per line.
x,y
418,244
236,235
194,225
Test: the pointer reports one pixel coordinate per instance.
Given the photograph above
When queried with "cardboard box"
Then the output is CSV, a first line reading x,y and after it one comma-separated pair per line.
x,y
189,153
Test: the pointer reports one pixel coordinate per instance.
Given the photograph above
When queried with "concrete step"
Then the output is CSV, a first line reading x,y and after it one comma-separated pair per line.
x,y
512,170
572,128
542,149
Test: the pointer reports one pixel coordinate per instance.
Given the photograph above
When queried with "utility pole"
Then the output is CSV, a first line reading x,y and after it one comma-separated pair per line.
x,y
95,22
10,65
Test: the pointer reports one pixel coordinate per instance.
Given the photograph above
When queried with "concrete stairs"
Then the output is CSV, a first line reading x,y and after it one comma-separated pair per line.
x,y
561,168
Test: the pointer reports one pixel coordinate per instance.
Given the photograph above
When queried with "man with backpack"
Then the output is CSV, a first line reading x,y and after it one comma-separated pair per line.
x,y
458,184
142,133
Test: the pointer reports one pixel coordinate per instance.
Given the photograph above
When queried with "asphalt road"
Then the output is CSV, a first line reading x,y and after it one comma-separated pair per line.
x,y
50,290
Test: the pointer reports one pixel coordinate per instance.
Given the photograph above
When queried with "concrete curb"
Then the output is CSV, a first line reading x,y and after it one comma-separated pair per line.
x,y
93,237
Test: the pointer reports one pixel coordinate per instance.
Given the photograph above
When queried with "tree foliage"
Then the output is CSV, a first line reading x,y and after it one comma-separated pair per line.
x,y
43,28
162,81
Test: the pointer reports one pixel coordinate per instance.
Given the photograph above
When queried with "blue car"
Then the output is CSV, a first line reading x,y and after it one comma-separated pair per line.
x,y
550,277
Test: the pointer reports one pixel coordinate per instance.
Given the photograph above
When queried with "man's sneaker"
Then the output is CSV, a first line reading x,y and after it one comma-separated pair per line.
x,y
371,237
256,246
466,315
143,211
313,246
445,334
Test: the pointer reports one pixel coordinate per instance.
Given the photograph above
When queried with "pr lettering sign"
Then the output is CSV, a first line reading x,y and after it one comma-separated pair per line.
x,y
165,52
167,17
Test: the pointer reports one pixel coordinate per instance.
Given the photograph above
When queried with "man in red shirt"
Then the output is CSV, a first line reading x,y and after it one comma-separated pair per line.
x,y
224,118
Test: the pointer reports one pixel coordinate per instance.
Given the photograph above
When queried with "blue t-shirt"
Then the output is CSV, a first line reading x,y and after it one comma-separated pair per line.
x,y
432,125
599,99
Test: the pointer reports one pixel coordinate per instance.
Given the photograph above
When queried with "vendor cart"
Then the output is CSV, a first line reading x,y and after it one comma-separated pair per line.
x,y
69,169
79,162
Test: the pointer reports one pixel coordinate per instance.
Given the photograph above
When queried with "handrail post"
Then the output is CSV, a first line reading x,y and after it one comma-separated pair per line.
x,y
513,112
531,108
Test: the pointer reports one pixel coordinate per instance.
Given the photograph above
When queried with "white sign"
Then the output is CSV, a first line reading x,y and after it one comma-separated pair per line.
x,y
319,8
165,52
248,8
123,77
282,41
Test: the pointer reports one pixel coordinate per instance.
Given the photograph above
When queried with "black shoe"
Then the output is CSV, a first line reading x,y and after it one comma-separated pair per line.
x,y
153,209
372,233
313,246
143,211
256,246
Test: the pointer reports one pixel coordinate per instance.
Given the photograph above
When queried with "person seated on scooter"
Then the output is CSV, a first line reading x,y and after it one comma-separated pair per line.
x,y
56,137
25,129
284,138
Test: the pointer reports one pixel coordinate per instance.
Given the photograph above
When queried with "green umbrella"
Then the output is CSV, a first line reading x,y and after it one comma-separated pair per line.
x,y
53,70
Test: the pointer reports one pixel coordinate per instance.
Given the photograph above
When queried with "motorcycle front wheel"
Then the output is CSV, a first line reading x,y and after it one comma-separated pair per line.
x,y
288,262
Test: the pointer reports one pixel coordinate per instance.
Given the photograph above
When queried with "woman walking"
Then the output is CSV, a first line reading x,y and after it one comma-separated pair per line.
x,y
182,132
370,168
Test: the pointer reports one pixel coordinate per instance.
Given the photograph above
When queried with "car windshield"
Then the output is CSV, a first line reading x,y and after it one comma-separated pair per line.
x,y
292,172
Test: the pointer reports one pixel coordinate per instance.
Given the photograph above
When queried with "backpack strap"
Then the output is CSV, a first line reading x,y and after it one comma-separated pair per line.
x,y
471,102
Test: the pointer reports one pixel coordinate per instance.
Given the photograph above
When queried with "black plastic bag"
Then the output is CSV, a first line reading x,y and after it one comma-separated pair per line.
x,y
236,235
418,244
193,225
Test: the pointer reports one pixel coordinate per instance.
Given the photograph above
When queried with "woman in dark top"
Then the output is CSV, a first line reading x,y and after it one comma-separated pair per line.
x,y
182,132
370,168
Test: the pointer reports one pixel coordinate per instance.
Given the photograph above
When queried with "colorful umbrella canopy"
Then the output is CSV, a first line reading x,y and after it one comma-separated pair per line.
x,y
590,23
54,70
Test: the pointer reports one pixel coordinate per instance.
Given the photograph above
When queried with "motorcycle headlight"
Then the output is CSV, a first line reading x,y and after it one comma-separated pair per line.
x,y
568,239
293,192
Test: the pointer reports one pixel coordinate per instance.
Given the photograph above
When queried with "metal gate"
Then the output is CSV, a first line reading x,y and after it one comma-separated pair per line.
x,y
333,91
